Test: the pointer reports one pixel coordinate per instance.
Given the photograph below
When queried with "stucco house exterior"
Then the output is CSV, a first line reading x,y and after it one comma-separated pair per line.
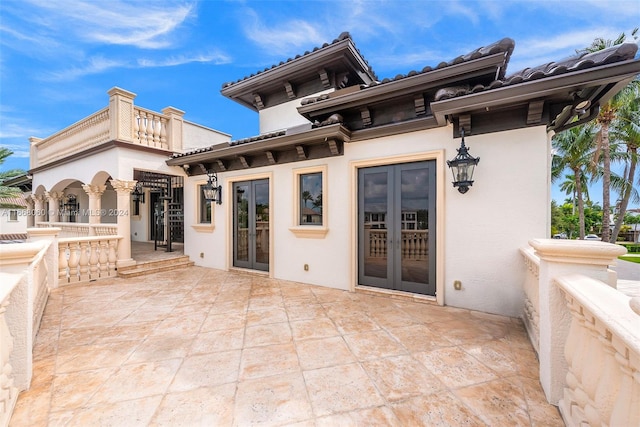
x,y
347,185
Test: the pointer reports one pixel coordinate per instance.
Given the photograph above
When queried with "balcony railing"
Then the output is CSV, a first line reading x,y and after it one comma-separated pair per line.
x,y
77,229
121,121
23,296
584,330
603,355
414,244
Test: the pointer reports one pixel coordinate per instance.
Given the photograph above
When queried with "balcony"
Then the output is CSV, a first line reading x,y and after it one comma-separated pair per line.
x,y
121,122
216,348
202,346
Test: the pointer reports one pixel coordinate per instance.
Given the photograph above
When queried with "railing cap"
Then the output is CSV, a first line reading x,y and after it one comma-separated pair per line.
x,y
20,253
119,91
577,251
43,231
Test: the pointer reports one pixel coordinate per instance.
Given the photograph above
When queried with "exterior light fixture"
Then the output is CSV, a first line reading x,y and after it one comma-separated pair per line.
x,y
138,194
212,191
462,167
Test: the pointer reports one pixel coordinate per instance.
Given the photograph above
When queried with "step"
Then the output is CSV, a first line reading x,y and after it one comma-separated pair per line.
x,y
150,267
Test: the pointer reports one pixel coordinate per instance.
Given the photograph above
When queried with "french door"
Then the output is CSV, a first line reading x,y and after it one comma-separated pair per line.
x,y
396,227
251,224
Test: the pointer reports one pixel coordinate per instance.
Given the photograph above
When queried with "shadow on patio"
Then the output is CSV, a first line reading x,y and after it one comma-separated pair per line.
x,y
206,347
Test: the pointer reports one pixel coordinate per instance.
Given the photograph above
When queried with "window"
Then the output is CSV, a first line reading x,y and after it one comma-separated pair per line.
x,y
204,208
203,214
13,215
310,198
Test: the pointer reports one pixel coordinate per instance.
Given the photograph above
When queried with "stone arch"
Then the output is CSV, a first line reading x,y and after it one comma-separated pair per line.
x,y
101,178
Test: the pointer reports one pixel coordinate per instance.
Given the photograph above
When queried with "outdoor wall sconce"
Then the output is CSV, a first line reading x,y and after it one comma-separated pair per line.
x,y
138,194
462,167
212,191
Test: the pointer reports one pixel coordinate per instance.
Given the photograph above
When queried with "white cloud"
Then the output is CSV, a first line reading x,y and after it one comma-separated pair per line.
x,y
285,40
141,24
172,61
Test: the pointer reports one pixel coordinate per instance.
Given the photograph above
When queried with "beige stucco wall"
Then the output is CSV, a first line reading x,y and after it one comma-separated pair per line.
x,y
198,136
480,234
283,116
13,227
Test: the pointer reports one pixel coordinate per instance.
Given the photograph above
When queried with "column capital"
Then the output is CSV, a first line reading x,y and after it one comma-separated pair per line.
x,y
37,198
54,195
123,186
94,190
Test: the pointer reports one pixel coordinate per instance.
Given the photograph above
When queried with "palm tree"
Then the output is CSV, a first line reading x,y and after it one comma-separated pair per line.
x,y
574,148
627,131
605,118
4,190
306,197
570,188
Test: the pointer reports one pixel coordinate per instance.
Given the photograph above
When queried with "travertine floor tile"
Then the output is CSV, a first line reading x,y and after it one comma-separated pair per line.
x,y
321,353
373,345
275,400
230,349
340,389
498,402
207,370
270,360
438,410
454,367
401,377
206,406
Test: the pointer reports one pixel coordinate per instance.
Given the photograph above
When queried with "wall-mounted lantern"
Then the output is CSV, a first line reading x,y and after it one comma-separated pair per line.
x,y
138,194
462,167
212,191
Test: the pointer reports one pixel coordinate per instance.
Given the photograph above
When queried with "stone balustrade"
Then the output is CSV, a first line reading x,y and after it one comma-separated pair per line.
x,y
81,259
76,229
414,244
121,121
603,355
531,316
24,276
87,133
586,332
150,129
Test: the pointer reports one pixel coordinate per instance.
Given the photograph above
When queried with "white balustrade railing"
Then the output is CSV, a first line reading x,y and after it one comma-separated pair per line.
x,y
150,129
24,292
8,389
603,355
82,259
121,121
414,244
87,133
77,229
531,316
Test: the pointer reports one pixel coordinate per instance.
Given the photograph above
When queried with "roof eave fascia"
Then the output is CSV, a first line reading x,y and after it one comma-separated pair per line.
x,y
428,80
283,72
535,89
325,132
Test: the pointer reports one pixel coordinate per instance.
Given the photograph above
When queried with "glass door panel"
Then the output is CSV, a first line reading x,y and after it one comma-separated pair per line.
x,y
396,211
251,225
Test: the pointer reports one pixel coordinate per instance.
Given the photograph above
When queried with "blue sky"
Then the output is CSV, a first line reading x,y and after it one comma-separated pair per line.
x,y
58,58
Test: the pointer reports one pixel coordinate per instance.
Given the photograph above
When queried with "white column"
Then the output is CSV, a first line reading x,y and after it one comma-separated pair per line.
x,y
39,213
54,205
95,202
123,189
558,258
31,221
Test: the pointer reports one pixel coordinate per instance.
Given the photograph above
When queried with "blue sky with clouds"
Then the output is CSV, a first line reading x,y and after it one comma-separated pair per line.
x,y
58,58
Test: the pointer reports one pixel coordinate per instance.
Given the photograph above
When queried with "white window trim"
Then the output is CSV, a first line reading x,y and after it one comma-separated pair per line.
x,y
202,227
310,231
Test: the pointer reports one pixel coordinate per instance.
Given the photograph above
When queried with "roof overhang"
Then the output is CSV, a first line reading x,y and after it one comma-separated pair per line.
x,y
550,96
340,56
485,67
326,141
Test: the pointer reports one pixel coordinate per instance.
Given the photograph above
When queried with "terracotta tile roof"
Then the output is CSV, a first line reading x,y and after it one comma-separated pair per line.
x,y
13,202
341,37
233,143
574,63
505,46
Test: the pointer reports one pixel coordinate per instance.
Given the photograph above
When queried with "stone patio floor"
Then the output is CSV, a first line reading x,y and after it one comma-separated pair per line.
x,y
205,347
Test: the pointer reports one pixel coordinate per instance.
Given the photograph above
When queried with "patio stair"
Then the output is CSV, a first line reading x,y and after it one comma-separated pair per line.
x,y
148,267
